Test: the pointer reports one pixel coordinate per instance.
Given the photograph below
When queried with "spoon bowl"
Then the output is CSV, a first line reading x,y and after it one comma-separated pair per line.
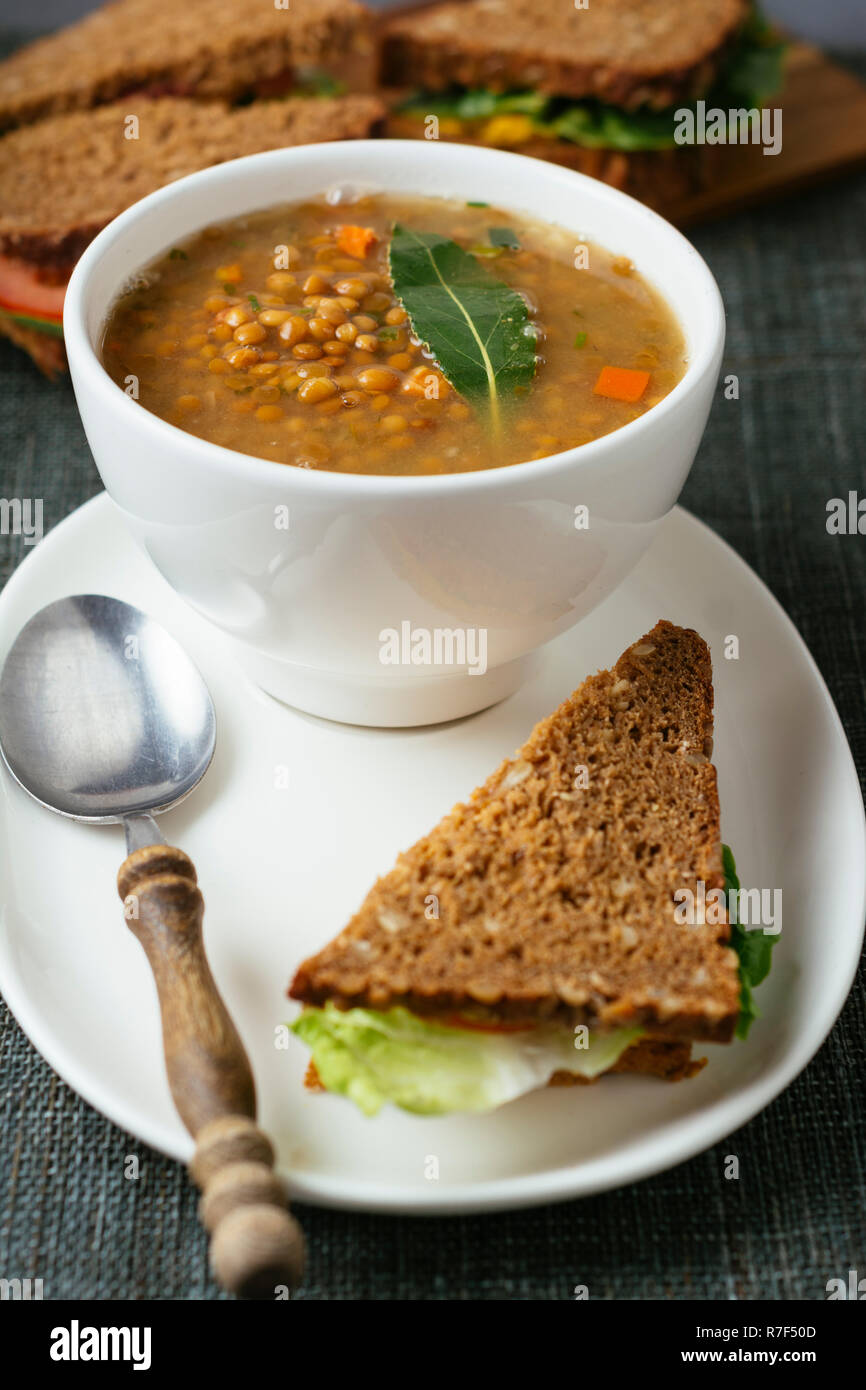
x,y
102,713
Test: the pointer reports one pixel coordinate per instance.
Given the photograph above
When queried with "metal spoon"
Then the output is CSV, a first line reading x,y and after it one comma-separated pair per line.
x,y
103,718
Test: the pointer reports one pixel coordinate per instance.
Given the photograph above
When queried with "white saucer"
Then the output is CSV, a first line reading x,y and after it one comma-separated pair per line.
x,y
282,868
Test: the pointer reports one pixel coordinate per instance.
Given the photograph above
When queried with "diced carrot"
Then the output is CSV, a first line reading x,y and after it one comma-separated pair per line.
x,y
621,384
356,241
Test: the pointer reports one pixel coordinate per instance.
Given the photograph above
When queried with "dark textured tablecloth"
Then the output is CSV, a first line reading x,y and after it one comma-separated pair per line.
x,y
794,281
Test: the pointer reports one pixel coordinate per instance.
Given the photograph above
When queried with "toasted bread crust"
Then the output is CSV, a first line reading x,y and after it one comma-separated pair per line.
x,y
203,48
555,898
629,53
65,178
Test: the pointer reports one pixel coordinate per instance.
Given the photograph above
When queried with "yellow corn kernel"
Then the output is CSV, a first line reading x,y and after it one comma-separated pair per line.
x,y
229,274
269,414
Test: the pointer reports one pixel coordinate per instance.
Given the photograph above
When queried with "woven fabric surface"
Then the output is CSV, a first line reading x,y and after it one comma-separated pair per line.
x,y
793,278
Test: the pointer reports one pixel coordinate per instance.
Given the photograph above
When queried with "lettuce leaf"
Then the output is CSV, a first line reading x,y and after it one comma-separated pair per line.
x,y
430,1069
752,74
755,950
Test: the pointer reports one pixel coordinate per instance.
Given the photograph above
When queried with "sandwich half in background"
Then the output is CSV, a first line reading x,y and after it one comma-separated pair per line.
x,y
228,50
196,77
531,937
595,89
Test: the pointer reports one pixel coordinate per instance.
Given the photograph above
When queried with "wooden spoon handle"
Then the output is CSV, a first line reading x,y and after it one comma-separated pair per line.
x,y
257,1248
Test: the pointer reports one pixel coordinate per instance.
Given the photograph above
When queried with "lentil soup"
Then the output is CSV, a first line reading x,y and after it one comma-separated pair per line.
x,y
280,335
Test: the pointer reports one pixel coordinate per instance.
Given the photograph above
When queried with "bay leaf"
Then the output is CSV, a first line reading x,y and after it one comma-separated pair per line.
x,y
477,327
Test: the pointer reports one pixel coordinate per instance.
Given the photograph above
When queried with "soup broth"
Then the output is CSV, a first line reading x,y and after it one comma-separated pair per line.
x,y
280,335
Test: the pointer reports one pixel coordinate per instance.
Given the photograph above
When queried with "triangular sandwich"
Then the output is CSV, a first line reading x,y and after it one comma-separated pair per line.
x,y
534,933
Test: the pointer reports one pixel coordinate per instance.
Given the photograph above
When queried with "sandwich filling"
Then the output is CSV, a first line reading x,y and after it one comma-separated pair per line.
x,y
433,1068
751,74
33,302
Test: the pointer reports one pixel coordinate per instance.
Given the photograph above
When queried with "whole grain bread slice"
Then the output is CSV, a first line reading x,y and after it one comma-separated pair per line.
x,y
629,53
551,892
203,48
64,178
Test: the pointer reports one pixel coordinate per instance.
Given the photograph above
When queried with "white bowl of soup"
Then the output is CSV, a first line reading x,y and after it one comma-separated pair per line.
x,y
384,532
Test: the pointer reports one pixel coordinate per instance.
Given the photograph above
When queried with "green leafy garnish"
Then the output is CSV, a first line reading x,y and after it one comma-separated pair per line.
x,y
505,237
477,327
175,254
254,303
387,334
580,340
475,204
227,288
754,949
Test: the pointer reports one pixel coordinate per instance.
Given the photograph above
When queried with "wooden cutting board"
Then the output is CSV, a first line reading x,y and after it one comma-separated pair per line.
x,y
823,135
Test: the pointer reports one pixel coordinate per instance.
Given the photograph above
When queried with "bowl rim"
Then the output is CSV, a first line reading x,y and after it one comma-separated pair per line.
x,y
84,357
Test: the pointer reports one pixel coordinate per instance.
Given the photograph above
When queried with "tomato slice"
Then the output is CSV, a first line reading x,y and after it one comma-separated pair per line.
x,y
475,1025
22,292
